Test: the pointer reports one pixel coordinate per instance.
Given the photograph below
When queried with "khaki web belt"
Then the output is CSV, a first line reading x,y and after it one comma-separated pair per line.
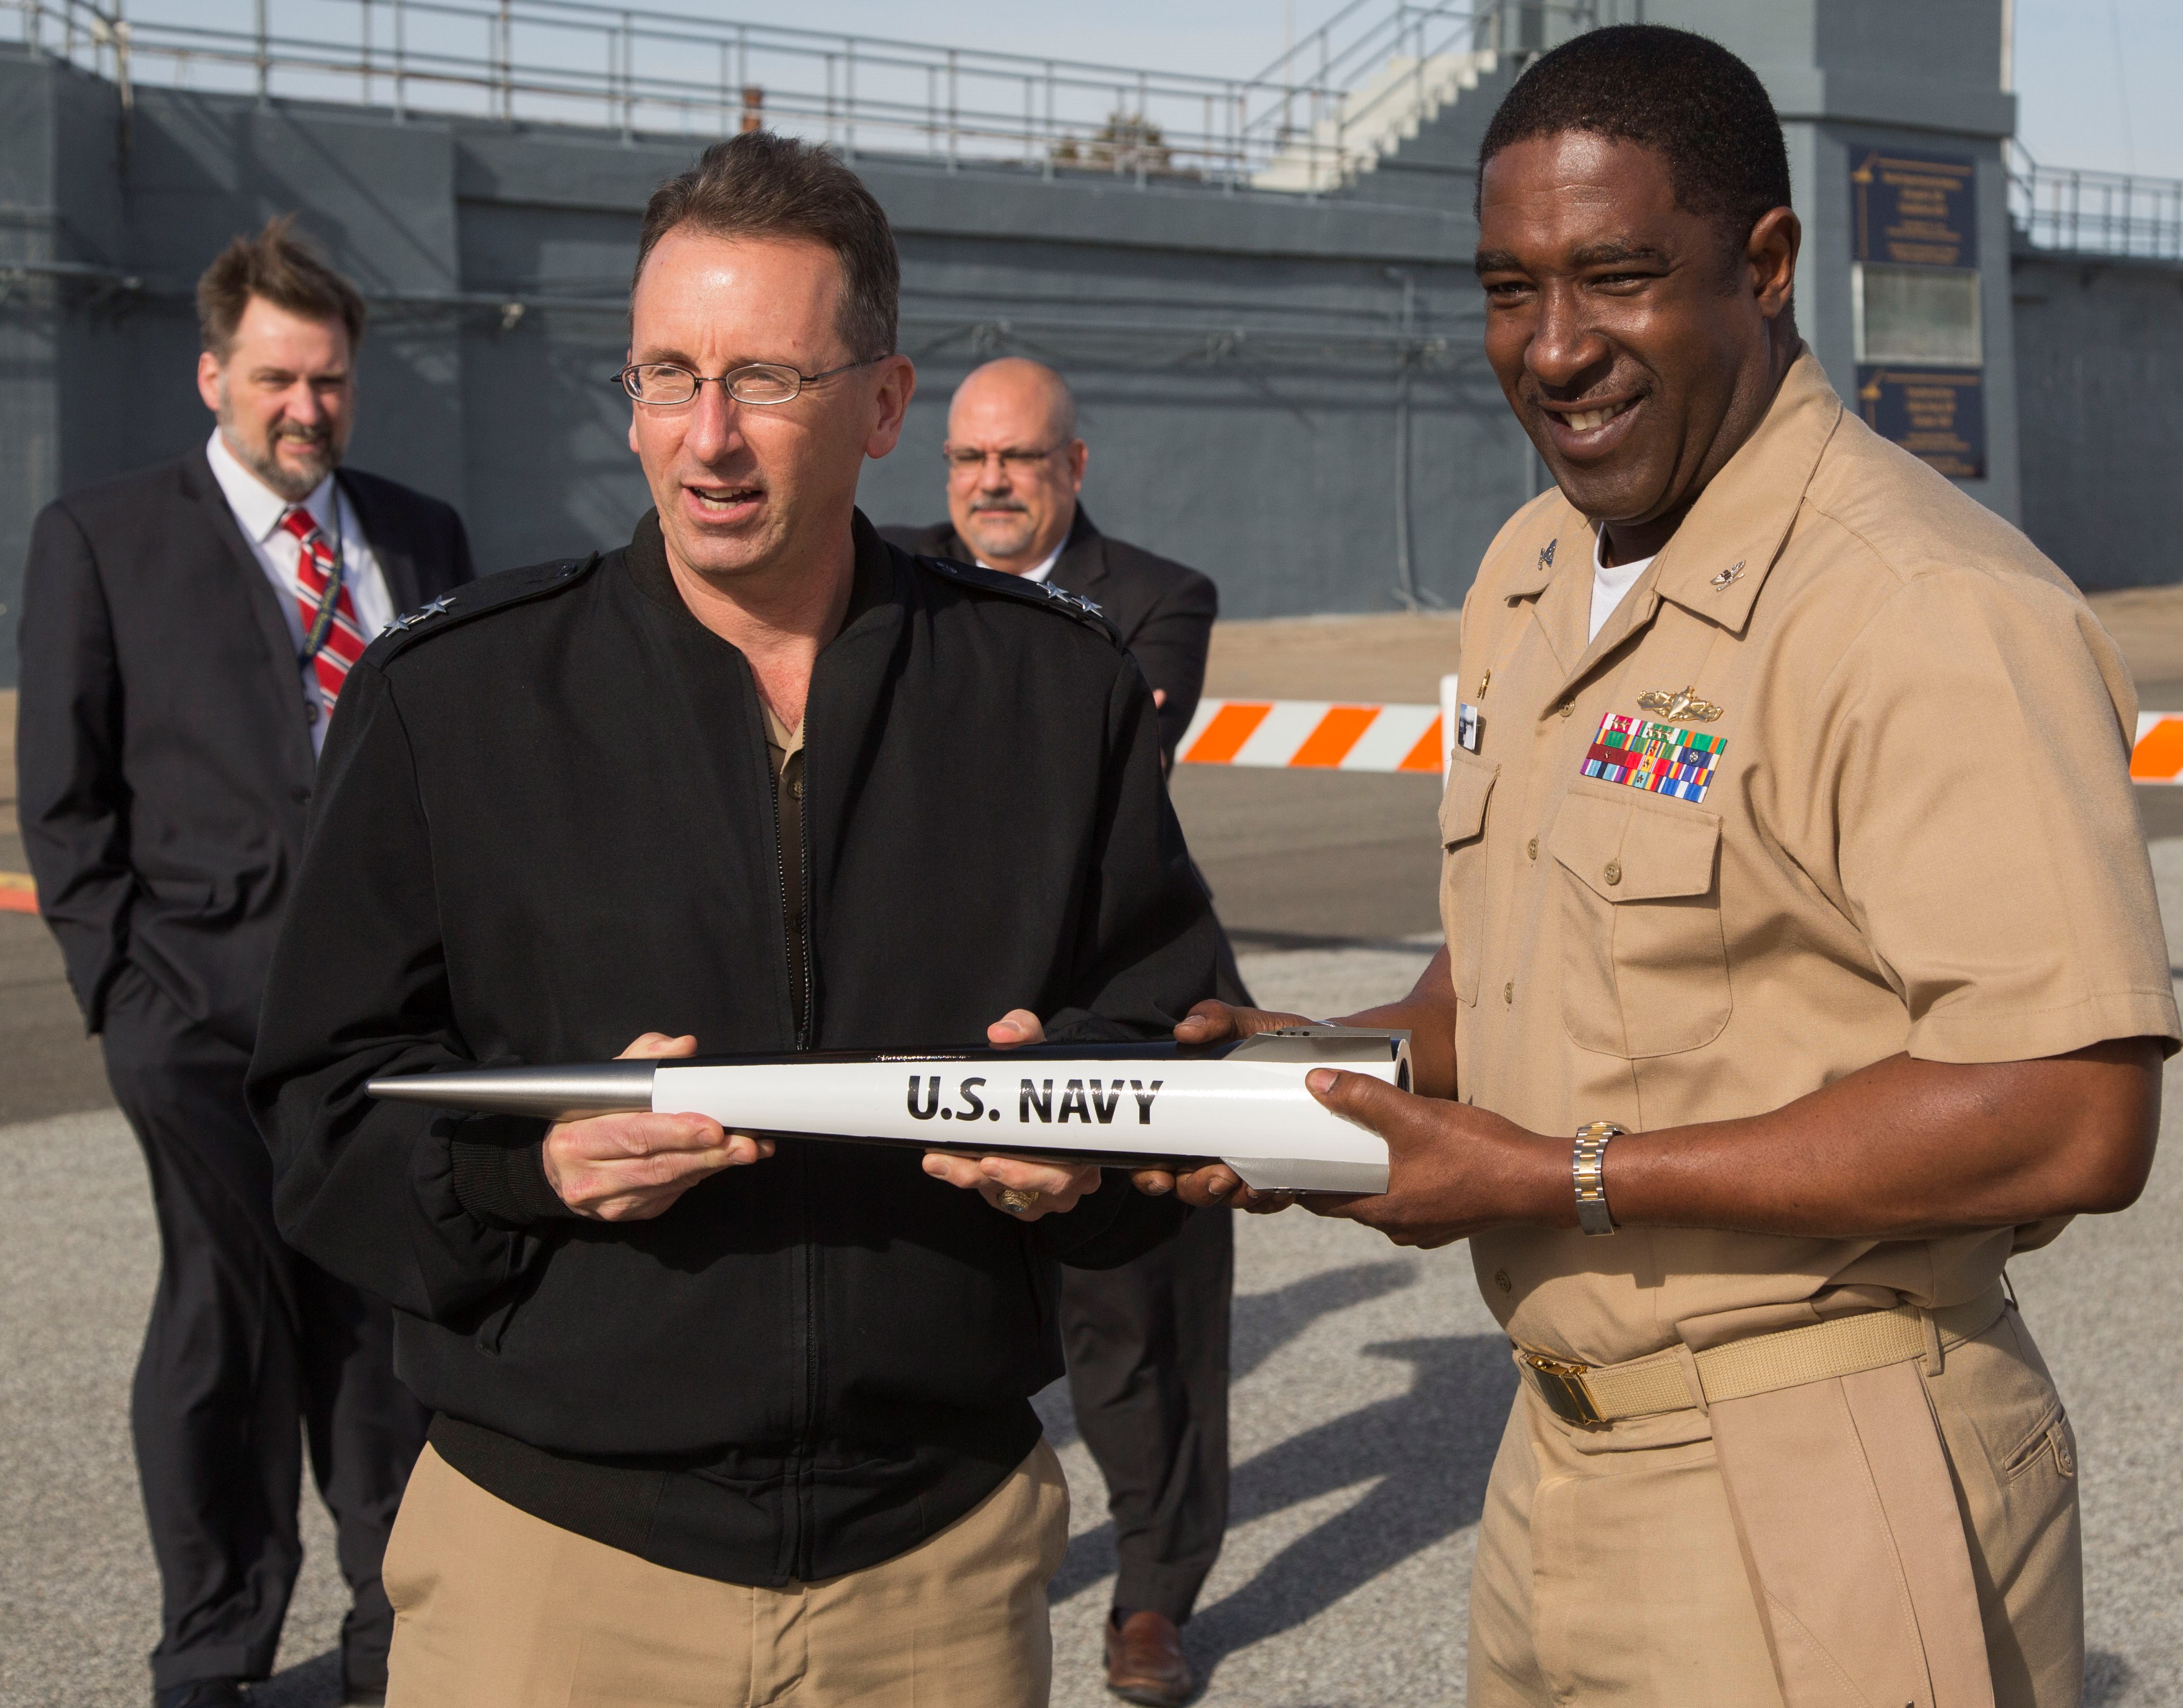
x,y
1596,1394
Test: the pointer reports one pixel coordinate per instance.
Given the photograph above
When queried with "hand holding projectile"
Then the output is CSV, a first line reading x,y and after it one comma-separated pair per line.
x,y
1216,1022
1453,1169
1023,1189
633,1167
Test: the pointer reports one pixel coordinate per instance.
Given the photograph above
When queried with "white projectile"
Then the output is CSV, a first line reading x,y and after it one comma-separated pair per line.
x,y
1123,1105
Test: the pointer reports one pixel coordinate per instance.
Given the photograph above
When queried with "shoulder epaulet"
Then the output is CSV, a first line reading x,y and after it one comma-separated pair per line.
x,y
1043,594
478,598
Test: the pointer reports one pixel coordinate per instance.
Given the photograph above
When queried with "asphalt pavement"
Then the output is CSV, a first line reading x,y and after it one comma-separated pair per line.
x,y
1369,1383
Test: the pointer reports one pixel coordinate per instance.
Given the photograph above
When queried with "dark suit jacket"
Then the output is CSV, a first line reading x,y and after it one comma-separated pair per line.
x,y
163,760
1164,611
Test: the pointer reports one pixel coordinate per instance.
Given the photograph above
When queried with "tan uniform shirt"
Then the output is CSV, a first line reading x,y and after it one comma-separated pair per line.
x,y
1915,833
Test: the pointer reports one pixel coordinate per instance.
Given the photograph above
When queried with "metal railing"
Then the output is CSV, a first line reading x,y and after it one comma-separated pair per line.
x,y
1334,103
2095,213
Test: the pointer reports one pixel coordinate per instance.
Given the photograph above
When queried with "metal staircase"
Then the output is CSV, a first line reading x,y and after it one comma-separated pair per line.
x,y
1382,78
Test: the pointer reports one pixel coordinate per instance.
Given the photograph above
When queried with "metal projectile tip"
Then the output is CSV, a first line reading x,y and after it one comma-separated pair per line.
x,y
552,1093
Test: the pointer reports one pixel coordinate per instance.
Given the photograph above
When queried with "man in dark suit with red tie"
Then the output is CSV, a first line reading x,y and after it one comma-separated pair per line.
x,y
184,636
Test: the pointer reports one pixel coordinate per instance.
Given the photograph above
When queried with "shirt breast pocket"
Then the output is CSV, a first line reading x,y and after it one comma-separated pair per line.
x,y
1463,868
1645,962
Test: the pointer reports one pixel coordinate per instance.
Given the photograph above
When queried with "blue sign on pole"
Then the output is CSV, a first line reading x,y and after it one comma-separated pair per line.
x,y
1914,210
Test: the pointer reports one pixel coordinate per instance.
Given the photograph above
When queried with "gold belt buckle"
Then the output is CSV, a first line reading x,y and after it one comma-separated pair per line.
x,y
1562,1385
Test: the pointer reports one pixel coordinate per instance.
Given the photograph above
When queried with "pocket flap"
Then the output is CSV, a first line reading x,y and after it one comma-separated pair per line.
x,y
1634,851
1463,802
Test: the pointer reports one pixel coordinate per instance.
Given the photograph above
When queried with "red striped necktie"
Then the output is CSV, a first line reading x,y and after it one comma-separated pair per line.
x,y
333,638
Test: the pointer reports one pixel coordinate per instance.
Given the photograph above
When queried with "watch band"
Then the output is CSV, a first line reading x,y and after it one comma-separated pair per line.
x,y
1589,1167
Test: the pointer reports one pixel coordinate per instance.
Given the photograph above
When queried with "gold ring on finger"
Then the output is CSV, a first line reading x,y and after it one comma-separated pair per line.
x,y
1016,1200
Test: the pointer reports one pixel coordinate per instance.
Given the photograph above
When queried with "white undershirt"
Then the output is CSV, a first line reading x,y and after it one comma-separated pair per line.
x,y
1037,572
1610,584
258,511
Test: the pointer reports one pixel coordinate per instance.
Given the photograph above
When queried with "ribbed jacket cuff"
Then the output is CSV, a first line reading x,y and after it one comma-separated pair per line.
x,y
498,1165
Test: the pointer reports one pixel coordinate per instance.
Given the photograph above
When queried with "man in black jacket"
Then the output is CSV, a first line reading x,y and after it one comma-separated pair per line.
x,y
1147,1341
1015,466
717,1415
184,632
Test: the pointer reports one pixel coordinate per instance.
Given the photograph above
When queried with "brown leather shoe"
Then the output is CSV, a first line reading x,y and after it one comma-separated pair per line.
x,y
1144,1661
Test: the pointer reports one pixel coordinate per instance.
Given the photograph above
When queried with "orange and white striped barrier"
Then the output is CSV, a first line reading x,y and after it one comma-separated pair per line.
x,y
2158,758
1331,735
1314,735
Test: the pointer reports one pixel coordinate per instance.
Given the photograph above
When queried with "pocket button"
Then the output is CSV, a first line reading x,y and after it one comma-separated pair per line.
x,y
1508,991
1613,873
1531,847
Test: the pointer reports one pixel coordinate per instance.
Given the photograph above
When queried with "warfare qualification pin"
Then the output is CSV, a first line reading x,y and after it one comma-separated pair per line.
x,y
1683,708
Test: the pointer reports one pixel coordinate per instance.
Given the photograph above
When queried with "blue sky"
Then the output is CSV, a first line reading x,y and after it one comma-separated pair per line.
x,y
2083,104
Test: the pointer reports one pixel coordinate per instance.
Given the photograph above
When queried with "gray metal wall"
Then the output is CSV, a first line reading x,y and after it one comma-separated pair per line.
x,y
1849,75
2099,376
1239,356
1236,354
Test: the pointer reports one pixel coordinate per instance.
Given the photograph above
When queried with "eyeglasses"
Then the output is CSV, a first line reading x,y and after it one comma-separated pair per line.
x,y
755,383
1014,461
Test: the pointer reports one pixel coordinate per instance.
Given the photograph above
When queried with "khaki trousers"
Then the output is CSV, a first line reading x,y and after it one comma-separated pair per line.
x,y
1610,1572
495,1608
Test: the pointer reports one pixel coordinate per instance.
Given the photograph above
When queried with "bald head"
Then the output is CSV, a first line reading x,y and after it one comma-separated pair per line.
x,y
1018,395
1015,463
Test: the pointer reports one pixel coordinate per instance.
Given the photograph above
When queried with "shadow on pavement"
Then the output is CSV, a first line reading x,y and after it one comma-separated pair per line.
x,y
1427,1454
1430,1450
2107,1679
1263,1324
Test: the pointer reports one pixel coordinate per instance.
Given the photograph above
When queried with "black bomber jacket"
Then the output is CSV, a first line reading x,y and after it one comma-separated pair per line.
x,y
545,823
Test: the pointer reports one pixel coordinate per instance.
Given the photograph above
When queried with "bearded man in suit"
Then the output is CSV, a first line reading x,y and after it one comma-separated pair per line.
x,y
186,630
1015,467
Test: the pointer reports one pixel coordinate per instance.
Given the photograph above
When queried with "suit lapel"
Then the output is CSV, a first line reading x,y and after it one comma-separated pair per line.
x,y
1082,564
198,484
291,733
397,562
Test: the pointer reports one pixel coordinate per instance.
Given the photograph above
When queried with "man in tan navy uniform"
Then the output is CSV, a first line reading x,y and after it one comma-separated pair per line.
x,y
1791,866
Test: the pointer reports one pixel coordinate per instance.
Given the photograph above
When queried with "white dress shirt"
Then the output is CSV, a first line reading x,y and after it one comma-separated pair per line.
x,y
1039,571
258,511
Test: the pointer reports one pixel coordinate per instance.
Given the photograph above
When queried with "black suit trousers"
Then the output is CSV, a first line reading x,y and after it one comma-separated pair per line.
x,y
1148,1347
251,1350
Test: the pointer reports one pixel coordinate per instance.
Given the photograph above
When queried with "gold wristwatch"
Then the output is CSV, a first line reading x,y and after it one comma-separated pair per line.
x,y
1590,1169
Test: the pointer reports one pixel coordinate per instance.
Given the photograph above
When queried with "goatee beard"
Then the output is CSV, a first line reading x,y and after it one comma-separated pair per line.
x,y
289,483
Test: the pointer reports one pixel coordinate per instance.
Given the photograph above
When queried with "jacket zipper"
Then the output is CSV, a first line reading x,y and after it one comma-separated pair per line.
x,y
800,1483
803,1037
804,1033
